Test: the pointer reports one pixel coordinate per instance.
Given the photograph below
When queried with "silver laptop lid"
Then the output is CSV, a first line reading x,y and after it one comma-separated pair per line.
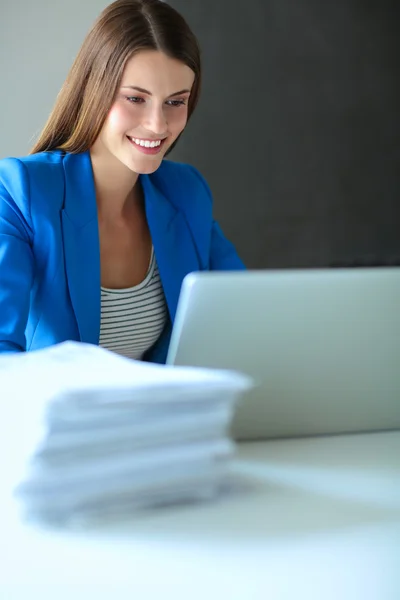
x,y
322,345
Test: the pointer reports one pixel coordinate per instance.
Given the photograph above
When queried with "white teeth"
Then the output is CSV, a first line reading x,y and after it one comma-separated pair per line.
x,y
146,143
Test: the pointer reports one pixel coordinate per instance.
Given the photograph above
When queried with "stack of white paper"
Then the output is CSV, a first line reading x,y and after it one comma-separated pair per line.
x,y
86,432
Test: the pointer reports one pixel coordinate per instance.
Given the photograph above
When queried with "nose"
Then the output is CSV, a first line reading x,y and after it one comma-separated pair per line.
x,y
155,120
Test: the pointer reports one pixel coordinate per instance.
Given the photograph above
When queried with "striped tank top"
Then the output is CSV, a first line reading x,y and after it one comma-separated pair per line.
x,y
132,319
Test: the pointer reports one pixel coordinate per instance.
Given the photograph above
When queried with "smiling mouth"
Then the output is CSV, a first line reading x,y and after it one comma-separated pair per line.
x,y
147,146
146,143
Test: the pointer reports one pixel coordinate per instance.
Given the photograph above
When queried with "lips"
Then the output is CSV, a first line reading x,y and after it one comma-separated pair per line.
x,y
146,149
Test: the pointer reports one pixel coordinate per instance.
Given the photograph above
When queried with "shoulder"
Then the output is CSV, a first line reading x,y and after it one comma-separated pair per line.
x,y
177,180
17,172
40,163
24,177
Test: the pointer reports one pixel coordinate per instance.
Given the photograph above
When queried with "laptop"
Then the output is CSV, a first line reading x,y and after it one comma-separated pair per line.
x,y
322,345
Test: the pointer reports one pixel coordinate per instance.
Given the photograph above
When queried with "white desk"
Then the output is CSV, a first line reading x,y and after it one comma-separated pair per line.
x,y
314,519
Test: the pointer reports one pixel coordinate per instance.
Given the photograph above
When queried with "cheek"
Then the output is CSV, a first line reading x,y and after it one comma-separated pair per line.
x,y
177,121
119,117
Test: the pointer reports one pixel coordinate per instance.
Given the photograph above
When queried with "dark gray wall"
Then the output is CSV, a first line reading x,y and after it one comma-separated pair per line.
x,y
298,129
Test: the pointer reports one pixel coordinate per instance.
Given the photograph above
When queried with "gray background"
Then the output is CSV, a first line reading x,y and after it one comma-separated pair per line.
x,y
38,42
297,132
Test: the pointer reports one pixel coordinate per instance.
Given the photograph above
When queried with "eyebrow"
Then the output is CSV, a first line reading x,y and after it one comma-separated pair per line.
x,y
139,89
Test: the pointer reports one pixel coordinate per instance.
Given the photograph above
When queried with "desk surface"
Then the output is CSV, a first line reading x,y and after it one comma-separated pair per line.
x,y
313,518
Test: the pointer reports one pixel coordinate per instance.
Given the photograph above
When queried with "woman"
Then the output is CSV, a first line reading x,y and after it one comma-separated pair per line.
x,y
97,230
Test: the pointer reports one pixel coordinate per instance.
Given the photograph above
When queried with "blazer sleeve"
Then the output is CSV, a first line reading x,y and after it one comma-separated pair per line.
x,y
223,255
16,256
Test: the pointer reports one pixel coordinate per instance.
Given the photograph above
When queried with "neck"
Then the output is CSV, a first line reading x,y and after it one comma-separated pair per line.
x,y
117,187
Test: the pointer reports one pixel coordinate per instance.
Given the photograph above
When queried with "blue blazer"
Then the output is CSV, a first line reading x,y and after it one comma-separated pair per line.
x,y
50,254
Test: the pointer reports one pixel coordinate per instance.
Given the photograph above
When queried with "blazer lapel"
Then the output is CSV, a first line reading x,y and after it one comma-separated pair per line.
x,y
81,244
172,240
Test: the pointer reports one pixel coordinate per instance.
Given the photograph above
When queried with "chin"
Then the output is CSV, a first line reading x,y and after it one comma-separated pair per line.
x,y
144,167
149,169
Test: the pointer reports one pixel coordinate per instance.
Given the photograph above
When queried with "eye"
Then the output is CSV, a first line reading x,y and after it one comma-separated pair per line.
x,y
135,99
176,103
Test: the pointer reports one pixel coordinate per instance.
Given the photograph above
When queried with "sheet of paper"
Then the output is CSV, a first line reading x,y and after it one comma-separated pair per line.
x,y
80,385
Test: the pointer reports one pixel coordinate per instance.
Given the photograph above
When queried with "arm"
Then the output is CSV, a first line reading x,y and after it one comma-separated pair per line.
x,y
223,255
16,257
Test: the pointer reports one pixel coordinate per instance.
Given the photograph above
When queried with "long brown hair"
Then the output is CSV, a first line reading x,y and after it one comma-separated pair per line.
x,y
124,28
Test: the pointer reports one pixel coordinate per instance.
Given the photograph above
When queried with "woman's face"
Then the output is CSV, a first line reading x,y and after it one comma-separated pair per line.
x,y
149,112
